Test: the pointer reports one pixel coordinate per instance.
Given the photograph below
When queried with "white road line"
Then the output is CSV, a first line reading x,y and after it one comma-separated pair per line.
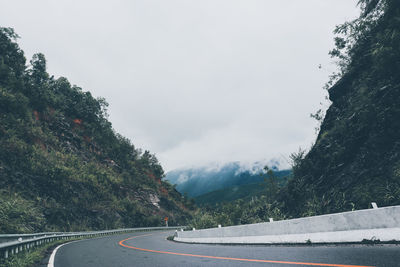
x,y
53,254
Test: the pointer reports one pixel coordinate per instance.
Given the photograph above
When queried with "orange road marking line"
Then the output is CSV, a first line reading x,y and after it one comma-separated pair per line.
x,y
121,243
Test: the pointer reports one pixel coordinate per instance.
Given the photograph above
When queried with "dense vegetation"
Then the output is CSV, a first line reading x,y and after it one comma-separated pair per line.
x,y
356,157
62,166
252,189
253,208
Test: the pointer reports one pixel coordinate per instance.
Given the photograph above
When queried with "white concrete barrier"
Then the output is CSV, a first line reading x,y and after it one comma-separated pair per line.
x,y
373,224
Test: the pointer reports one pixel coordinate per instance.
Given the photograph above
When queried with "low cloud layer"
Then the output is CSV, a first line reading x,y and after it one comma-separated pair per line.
x,y
193,81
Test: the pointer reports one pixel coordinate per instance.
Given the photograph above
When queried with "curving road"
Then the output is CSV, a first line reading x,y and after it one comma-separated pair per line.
x,y
152,249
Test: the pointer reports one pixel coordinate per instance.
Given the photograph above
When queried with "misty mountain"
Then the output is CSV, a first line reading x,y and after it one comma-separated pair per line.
x,y
201,180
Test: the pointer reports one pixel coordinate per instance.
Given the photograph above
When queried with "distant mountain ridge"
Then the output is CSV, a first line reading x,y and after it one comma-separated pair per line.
x,y
244,192
201,180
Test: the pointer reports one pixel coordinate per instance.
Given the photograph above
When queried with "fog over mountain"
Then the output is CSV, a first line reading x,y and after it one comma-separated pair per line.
x,y
196,181
193,81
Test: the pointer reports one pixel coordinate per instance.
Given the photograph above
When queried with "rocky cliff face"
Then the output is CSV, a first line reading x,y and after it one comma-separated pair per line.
x,y
356,157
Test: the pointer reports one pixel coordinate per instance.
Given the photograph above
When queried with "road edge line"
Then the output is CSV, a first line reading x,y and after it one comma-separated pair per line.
x,y
121,243
53,254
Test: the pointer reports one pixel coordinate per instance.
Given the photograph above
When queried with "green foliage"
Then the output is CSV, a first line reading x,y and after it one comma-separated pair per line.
x,y
371,39
230,194
203,220
268,184
355,159
62,162
26,258
256,210
246,210
272,184
32,257
19,215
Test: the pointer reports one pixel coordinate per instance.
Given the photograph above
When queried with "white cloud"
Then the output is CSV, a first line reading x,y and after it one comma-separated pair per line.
x,y
193,81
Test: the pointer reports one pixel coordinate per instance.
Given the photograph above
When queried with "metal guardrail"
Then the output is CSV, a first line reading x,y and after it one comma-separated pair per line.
x,y
14,243
12,237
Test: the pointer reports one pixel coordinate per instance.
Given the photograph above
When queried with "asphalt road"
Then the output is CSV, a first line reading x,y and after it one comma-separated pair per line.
x,y
152,249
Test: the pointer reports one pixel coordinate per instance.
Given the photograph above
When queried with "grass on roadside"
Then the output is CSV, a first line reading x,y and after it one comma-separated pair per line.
x,y
32,257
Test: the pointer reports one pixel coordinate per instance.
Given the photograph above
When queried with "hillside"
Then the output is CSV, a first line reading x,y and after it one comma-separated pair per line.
x,y
356,157
62,166
245,192
201,180
230,194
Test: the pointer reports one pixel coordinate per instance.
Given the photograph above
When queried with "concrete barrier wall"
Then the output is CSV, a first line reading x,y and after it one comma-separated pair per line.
x,y
354,226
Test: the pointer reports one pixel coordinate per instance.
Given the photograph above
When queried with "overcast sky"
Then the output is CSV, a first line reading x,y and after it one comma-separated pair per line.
x,y
193,81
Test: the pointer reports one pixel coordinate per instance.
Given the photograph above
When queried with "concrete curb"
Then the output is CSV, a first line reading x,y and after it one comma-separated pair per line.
x,y
372,225
354,237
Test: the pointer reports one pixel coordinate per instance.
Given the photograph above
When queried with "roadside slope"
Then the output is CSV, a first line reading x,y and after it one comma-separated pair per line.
x,y
356,159
62,165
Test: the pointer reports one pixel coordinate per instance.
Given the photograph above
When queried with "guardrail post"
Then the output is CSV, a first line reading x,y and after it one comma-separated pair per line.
x,y
6,254
219,226
271,219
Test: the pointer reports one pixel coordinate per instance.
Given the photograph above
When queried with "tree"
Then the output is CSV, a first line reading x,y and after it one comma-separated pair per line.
x,y
38,72
272,185
37,87
12,60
